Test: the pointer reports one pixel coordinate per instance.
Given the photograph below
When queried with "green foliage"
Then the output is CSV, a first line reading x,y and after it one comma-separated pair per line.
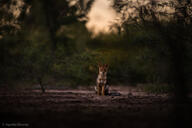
x,y
37,53
158,88
79,68
54,46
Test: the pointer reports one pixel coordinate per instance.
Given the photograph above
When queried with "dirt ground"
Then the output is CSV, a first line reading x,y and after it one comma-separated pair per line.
x,y
64,108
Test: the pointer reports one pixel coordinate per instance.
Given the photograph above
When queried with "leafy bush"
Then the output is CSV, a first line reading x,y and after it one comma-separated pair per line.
x,y
158,88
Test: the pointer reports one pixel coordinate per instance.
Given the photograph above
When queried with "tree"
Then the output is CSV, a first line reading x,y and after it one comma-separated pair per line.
x,y
175,31
37,27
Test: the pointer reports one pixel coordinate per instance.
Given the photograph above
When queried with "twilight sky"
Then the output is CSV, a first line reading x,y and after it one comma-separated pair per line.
x,y
100,16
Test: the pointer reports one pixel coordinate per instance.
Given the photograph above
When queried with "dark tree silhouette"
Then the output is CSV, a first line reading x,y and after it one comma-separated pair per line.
x,y
176,32
45,17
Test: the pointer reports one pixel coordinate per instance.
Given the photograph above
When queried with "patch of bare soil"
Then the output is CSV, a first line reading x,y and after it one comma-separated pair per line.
x,y
83,108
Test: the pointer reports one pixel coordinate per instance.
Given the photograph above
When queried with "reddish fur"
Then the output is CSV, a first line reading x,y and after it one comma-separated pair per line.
x,y
103,68
101,89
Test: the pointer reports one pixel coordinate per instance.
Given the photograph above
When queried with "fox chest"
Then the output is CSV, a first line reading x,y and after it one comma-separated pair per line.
x,y
102,78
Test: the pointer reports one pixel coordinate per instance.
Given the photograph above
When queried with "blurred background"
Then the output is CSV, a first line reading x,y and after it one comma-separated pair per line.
x,y
60,42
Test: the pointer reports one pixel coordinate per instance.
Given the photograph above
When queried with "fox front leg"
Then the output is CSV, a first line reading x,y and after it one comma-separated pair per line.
x,y
98,89
103,90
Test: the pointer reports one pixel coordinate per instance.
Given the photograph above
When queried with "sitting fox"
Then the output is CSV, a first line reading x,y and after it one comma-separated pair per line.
x,y
102,83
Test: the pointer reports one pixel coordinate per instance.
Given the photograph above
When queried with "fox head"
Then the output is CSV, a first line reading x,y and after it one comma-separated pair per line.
x,y
103,68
